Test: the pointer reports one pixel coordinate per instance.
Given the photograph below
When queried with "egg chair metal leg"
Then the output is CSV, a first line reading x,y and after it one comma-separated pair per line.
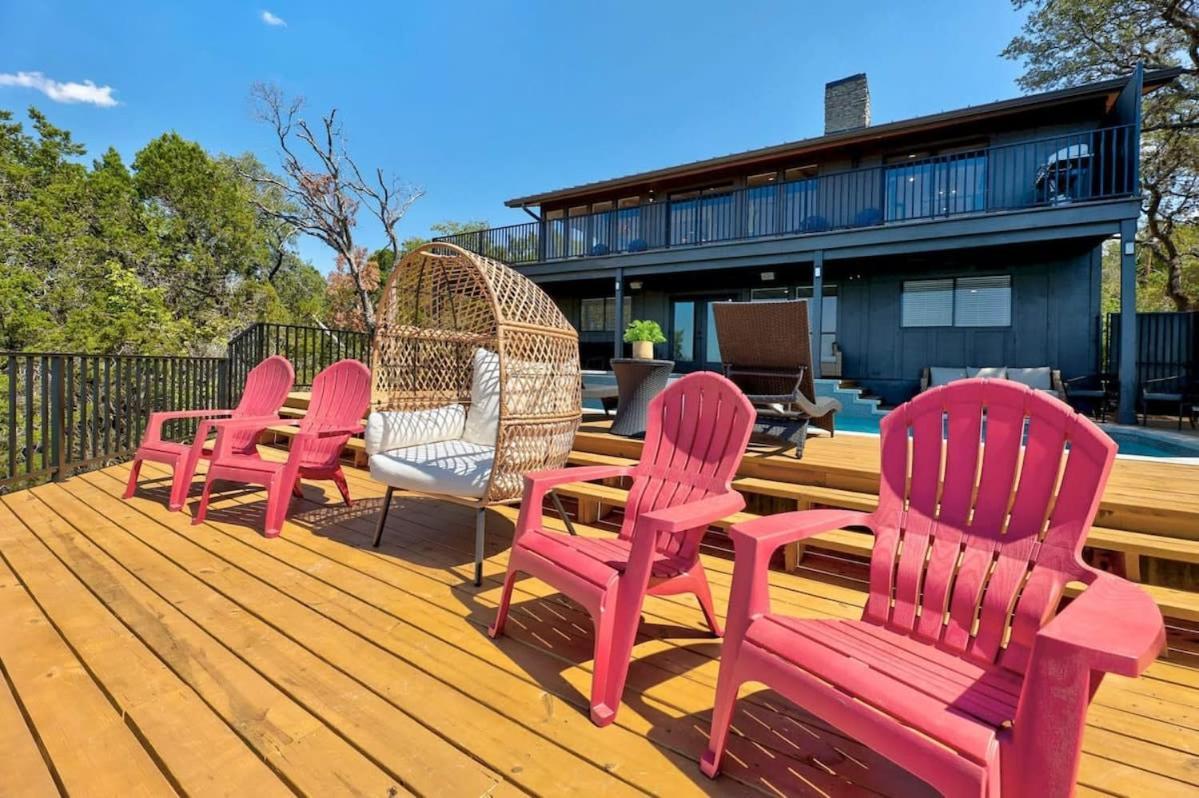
x,y
480,523
383,516
562,513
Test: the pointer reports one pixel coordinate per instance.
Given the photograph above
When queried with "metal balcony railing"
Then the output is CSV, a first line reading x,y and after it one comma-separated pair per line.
x,y
1079,167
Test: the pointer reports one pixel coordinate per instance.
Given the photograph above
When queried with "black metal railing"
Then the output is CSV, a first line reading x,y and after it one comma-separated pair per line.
x,y
1089,165
61,413
1167,345
309,349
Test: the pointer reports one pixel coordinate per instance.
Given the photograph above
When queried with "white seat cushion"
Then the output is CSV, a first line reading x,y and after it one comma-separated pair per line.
x,y
988,372
453,468
941,375
483,417
1040,379
392,429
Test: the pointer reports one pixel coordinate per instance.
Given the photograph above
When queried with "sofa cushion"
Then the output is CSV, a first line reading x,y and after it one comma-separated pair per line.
x,y
452,468
389,430
988,372
940,375
1039,379
483,417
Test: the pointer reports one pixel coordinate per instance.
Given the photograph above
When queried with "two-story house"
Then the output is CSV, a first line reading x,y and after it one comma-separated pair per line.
x,y
966,238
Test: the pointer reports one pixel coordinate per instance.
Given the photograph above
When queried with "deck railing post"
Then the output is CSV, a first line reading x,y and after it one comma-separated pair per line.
x,y
58,418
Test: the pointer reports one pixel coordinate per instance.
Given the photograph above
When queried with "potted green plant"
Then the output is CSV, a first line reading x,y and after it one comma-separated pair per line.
x,y
643,334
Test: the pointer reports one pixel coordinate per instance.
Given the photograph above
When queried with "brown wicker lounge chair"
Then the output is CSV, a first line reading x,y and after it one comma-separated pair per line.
x,y
767,352
476,382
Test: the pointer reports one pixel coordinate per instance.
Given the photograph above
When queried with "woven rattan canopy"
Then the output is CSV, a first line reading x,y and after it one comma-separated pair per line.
x,y
441,304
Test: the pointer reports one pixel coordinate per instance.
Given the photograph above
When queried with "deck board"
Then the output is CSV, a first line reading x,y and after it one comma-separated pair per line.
x,y
317,665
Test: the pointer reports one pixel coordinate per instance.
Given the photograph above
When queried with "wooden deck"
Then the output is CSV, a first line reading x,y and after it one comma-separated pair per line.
x,y
143,656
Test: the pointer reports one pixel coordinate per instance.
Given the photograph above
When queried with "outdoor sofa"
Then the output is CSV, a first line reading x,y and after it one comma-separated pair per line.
x,y
1040,378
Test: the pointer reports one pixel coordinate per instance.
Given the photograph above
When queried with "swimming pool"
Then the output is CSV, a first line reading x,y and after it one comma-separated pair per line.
x,y
1131,441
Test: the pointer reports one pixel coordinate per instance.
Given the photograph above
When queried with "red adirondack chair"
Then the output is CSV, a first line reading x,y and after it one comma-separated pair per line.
x,y
267,385
340,396
696,433
959,670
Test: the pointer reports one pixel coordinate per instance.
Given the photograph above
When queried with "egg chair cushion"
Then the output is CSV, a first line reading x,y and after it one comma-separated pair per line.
x,y
483,417
453,468
394,430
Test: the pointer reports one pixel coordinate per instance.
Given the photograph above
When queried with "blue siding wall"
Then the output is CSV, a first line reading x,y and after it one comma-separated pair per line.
x,y
1055,309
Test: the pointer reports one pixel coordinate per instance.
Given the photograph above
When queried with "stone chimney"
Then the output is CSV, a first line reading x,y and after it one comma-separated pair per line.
x,y
846,104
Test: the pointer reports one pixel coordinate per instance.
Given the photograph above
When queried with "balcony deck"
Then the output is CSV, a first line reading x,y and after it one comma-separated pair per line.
x,y
144,656
1046,173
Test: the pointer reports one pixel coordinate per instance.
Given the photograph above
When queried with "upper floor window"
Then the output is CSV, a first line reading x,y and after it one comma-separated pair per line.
x,y
937,186
960,302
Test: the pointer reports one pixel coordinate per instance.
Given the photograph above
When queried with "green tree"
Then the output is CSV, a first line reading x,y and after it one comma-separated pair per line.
x,y
168,257
1067,42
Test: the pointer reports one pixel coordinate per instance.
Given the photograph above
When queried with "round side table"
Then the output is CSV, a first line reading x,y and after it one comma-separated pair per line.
x,y
637,381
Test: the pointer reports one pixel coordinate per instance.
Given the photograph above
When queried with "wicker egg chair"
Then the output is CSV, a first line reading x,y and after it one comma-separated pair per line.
x,y
476,381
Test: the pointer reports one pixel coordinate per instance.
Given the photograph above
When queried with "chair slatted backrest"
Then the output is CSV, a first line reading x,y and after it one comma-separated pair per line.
x,y
773,361
695,435
341,394
266,388
988,489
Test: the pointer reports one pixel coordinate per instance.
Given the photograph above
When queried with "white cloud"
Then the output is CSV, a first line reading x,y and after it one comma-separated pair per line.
x,y
272,20
59,92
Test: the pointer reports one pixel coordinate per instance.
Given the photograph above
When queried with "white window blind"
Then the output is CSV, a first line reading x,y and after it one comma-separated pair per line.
x,y
927,303
983,301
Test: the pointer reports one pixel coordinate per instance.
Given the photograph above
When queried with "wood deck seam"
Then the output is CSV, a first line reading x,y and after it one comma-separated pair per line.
x,y
30,726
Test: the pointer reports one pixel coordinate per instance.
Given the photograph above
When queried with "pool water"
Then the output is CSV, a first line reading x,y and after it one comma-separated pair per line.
x,y
1129,440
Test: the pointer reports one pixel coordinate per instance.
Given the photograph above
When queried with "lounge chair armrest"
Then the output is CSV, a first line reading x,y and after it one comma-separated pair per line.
x,y
157,419
1114,624
1156,380
693,515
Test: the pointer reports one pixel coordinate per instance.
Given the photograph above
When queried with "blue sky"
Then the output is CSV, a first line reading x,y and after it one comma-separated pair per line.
x,y
480,102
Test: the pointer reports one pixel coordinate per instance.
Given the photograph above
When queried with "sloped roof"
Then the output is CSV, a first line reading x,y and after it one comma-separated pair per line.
x,y
1153,79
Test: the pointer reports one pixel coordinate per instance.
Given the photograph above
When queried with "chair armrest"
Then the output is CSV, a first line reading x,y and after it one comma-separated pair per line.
x,y
539,483
1155,380
1114,624
755,542
226,428
1084,378
771,531
545,480
154,427
692,515
333,432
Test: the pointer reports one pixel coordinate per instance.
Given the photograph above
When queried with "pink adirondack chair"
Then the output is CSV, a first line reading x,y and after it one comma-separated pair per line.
x,y
959,670
340,396
267,386
696,432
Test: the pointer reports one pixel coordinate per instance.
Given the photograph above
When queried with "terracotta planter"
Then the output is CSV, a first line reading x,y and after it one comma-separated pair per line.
x,y
643,350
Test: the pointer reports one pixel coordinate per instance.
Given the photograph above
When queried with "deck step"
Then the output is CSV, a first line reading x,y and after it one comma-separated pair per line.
x,y
1180,604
